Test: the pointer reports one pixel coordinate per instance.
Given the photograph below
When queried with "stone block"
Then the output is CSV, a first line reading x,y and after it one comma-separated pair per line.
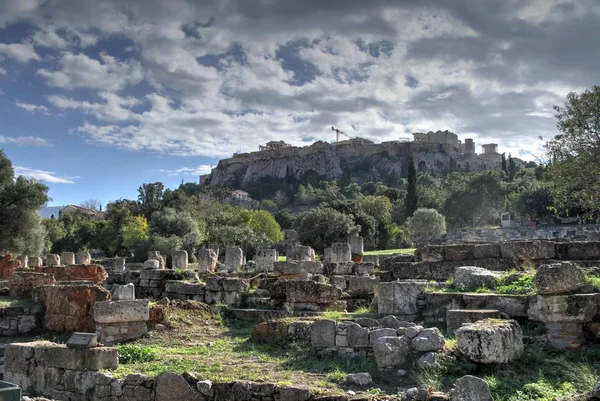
x,y
340,252
565,335
475,277
302,253
428,340
123,292
59,356
339,282
82,340
121,311
528,250
393,353
322,334
583,251
83,258
362,284
356,245
385,332
490,341
265,258
512,305
577,308
235,285
455,318
213,283
52,260
174,387
339,268
67,258
234,259
294,266
471,388
558,278
292,394
400,298
207,260
36,262
432,253
358,337
119,266
309,292
363,269
152,264
180,259
373,259
155,255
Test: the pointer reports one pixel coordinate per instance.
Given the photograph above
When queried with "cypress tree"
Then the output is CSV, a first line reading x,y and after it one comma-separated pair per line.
x,y
411,201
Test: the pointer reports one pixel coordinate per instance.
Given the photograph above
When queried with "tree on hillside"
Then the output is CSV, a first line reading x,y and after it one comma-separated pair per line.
x,y
322,226
426,225
411,202
575,153
21,230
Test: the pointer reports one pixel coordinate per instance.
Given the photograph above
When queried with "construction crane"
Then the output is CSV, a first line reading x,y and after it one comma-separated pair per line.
x,y
338,133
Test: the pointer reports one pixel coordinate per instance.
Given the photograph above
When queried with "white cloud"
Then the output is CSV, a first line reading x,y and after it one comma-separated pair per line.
x,y
13,10
196,171
81,71
48,37
2,71
115,107
34,108
43,175
21,52
24,141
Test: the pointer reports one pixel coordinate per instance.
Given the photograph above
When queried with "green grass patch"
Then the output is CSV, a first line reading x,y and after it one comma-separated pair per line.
x,y
506,284
333,315
136,353
405,251
7,302
592,279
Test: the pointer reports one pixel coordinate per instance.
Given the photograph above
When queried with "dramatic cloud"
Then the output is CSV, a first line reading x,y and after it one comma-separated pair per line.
x,y
211,78
24,141
21,52
43,175
195,171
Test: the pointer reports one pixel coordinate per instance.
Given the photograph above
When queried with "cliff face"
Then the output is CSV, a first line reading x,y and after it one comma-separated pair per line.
x,y
355,158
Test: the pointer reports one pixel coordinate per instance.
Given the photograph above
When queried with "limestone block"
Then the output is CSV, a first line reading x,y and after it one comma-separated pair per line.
x,y
234,259
59,356
152,264
471,252
36,262
295,266
174,387
356,245
180,259
393,353
373,259
300,330
67,258
123,292
359,379
121,311
322,334
427,359
471,388
528,250
428,340
558,278
207,260
565,335
432,253
474,277
305,292
52,260
400,298
303,253
340,252
490,341
327,255
455,318
213,283
83,258
24,260
264,259
289,393
362,285
339,282
358,337
377,333
578,308
583,250
235,285
363,269
119,265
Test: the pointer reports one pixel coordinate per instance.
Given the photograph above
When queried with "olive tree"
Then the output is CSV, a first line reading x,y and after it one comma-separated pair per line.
x,y
426,225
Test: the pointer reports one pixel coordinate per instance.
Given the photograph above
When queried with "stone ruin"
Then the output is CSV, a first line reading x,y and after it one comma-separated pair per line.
x,y
407,292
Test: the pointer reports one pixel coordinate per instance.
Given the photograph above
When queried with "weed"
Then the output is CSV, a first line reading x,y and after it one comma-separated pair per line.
x,y
135,353
333,315
364,311
592,279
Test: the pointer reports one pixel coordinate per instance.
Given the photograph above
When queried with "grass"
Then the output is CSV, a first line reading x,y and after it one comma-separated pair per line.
x,y
7,302
524,285
542,374
405,251
592,279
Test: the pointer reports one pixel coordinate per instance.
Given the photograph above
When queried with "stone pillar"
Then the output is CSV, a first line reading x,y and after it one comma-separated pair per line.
x,y
327,255
207,260
234,258
119,265
264,259
37,262
68,258
52,260
83,258
356,248
340,252
179,259
300,252
155,255
24,261
123,292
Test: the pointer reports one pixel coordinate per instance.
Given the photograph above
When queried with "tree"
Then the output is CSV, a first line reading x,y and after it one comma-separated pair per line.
x,y
169,222
135,232
535,202
322,226
426,225
575,154
20,200
93,204
150,198
411,202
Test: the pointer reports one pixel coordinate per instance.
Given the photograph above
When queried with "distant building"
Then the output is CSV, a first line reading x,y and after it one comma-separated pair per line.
x,y
273,145
238,194
443,137
56,212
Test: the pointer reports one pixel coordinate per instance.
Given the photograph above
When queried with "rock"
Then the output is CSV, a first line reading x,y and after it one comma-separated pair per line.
x,y
471,388
393,352
390,322
204,387
292,394
152,264
305,291
427,360
528,250
301,252
474,277
432,253
300,330
457,317
173,387
359,379
429,340
358,337
180,259
558,278
490,341
412,332
269,332
377,333
322,334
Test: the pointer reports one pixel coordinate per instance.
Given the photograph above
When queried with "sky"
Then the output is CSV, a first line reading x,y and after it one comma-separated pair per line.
x,y
98,97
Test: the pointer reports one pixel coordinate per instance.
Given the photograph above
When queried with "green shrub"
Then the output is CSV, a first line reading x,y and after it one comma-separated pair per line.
x,y
134,353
